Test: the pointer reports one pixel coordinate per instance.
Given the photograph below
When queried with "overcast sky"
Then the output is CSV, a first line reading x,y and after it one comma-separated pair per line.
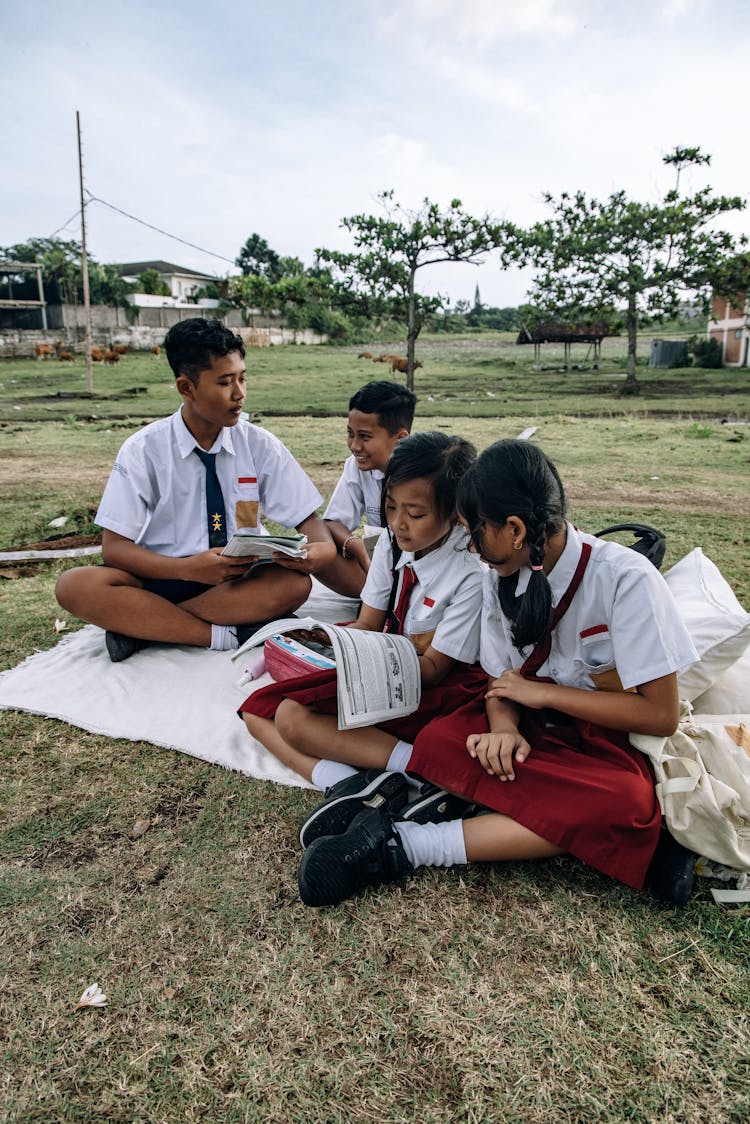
x,y
215,119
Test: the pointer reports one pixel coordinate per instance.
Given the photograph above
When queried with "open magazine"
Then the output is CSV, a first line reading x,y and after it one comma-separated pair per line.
x,y
242,545
378,673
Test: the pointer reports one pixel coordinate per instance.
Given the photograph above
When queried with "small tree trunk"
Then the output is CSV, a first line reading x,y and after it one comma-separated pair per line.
x,y
411,336
631,385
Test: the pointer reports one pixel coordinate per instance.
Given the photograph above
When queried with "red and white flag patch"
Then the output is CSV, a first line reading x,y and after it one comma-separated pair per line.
x,y
593,631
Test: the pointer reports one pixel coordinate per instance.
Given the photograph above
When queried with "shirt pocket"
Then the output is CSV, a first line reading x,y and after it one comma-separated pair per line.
x,y
596,658
421,631
246,498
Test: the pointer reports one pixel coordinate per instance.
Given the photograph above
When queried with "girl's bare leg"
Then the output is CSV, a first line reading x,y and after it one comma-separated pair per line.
x,y
266,733
317,736
494,838
300,738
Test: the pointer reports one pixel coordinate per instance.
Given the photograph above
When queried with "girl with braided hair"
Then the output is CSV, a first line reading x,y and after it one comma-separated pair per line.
x,y
582,643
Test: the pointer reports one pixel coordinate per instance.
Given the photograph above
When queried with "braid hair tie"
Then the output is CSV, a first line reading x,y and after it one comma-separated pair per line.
x,y
533,568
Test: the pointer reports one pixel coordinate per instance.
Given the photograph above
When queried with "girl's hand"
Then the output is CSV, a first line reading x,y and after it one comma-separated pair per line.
x,y
495,752
527,692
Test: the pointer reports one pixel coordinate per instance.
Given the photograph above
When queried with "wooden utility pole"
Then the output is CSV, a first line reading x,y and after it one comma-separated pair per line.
x,y
84,266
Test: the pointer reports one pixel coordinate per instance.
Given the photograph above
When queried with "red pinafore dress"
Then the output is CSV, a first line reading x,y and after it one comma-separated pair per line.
x,y
583,787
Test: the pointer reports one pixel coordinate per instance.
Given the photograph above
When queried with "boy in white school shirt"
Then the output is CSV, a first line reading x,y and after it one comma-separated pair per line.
x,y
380,415
163,579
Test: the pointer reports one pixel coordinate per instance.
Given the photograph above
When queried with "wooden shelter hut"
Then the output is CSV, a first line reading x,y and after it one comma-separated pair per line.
x,y
566,333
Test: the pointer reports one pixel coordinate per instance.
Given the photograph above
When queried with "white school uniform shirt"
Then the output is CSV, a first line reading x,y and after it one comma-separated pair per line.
x,y
156,494
621,629
356,494
446,600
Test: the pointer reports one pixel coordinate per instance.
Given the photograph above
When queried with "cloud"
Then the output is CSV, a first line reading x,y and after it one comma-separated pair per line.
x,y
482,23
284,125
673,11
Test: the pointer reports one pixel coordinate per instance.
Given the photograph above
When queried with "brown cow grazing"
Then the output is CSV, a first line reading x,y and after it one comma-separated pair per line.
x,y
42,350
66,357
111,357
121,348
97,354
398,364
364,355
156,350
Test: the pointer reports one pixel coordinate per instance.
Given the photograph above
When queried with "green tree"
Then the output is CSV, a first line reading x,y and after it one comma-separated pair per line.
x,y
289,267
379,277
150,282
252,291
643,258
732,277
106,286
257,259
61,269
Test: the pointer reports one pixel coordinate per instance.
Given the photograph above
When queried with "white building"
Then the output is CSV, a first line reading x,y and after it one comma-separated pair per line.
x,y
182,283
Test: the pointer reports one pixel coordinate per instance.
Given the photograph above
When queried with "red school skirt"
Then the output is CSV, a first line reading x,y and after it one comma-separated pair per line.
x,y
583,787
318,691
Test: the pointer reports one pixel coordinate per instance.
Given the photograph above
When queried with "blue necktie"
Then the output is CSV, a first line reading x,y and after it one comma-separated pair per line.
x,y
217,522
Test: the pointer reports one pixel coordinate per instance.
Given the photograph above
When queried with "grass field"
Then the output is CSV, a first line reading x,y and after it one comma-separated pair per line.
x,y
528,992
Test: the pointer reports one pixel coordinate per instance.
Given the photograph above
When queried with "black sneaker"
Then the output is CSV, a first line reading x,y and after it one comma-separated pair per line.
x,y
672,871
123,647
372,788
435,805
335,867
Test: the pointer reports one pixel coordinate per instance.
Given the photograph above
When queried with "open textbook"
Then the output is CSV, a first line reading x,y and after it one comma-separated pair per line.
x,y
378,672
243,545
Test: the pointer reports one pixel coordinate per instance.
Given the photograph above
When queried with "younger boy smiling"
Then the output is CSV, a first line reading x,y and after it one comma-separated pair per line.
x,y
380,415
164,577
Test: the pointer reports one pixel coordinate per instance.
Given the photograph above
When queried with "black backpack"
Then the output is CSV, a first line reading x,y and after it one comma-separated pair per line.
x,y
648,540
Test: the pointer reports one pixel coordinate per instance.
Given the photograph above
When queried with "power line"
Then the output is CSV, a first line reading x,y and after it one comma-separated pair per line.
x,y
66,223
174,237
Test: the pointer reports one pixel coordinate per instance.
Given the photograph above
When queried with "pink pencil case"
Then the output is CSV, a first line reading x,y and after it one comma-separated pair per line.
x,y
287,658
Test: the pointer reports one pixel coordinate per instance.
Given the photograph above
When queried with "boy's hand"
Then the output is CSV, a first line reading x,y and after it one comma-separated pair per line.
x,y
495,752
512,685
319,555
211,567
357,550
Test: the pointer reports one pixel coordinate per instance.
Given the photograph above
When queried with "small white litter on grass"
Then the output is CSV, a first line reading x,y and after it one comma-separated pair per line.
x,y
93,996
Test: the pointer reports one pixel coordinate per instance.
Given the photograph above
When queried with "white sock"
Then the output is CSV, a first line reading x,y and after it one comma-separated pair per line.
x,y
398,761
223,638
327,773
399,757
433,844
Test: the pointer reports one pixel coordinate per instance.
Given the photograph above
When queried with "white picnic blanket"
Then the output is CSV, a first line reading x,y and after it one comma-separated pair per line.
x,y
177,697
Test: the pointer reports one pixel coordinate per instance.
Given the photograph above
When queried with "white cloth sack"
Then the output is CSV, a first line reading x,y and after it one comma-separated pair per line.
x,y
718,625
703,784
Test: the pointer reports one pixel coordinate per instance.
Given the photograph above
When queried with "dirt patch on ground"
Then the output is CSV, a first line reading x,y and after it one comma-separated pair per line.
x,y
628,495
21,568
61,542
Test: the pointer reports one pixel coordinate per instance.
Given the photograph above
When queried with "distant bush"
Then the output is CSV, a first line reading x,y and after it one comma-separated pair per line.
x,y
706,352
